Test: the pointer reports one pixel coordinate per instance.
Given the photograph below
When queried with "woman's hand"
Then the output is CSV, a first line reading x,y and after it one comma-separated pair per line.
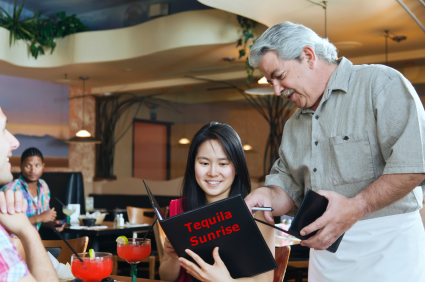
x,y
206,272
168,248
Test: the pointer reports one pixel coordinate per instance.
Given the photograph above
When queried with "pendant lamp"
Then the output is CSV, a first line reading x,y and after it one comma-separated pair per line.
x,y
83,136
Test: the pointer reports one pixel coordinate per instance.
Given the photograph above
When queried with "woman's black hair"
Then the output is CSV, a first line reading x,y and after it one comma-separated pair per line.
x,y
192,194
31,152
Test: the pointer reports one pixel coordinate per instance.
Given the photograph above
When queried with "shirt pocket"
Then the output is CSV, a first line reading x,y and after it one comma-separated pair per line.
x,y
351,157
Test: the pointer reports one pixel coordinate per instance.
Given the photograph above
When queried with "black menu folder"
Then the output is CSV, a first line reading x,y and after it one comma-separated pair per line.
x,y
312,207
226,224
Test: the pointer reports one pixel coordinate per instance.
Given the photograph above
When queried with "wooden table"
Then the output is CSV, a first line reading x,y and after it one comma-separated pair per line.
x,y
128,279
121,279
95,234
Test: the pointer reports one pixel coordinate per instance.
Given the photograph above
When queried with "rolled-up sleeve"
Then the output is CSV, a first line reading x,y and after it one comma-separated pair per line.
x,y
280,176
400,126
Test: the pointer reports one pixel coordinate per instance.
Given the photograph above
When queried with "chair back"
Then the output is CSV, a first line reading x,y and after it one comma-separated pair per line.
x,y
79,245
143,215
159,239
140,215
19,247
281,257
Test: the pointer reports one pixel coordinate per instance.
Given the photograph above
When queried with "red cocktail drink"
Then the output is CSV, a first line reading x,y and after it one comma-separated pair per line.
x,y
133,252
92,269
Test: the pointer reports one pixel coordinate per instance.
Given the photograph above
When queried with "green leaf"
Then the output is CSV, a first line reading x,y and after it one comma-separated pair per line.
x,y
241,53
239,43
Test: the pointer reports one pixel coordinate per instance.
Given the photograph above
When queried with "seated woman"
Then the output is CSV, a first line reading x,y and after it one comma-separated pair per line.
x,y
33,188
216,169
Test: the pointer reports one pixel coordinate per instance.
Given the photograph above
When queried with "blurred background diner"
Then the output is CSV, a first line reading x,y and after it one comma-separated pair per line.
x,y
115,93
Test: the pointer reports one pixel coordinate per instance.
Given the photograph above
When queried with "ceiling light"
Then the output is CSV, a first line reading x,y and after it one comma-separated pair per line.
x,y
347,45
83,136
263,80
247,147
184,141
83,133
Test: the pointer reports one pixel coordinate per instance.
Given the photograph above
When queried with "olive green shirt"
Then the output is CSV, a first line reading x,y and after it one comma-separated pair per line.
x,y
369,122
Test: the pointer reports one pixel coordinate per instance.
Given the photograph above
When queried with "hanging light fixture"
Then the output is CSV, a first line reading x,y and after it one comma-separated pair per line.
x,y
184,140
83,136
396,38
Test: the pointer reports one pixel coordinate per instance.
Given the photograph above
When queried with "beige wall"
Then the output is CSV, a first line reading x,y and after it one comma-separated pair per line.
x,y
249,124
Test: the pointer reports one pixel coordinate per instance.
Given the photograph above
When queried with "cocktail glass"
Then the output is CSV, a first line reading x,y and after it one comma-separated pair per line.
x,y
136,250
68,210
92,269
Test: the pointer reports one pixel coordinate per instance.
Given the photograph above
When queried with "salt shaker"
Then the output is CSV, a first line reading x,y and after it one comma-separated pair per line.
x,y
121,220
116,220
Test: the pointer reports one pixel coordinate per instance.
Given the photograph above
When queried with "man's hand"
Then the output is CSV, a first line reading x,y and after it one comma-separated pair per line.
x,y
340,215
261,197
47,216
11,202
16,223
272,196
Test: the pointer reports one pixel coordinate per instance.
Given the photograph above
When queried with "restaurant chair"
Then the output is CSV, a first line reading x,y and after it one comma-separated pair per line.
x,y
19,247
139,216
79,245
297,270
281,257
159,239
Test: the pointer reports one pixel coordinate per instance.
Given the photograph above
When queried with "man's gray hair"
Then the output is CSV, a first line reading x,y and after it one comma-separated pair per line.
x,y
288,40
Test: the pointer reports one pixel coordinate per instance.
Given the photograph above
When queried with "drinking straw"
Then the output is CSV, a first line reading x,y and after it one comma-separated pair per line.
x,y
271,225
60,202
150,228
63,239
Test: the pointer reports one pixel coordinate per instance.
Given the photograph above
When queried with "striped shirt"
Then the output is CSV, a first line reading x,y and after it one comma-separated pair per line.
x,y
369,122
37,204
12,267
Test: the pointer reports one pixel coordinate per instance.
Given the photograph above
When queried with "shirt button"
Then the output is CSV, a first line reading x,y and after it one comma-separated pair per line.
x,y
314,169
315,143
317,117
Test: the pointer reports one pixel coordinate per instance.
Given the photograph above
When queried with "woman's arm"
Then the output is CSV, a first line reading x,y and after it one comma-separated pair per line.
x,y
169,268
269,235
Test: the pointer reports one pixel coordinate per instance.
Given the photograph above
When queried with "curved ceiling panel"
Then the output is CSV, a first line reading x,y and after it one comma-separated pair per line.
x,y
193,28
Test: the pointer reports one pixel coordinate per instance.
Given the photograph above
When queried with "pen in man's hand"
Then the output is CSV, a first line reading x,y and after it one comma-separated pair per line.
x,y
262,209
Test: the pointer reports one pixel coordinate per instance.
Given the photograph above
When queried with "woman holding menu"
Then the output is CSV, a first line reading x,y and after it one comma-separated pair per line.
x,y
216,169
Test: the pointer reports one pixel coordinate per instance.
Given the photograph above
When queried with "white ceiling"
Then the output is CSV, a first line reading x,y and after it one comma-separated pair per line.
x,y
355,26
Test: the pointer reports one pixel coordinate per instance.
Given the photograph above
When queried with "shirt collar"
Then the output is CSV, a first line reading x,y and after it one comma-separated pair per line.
x,y
338,81
25,184
340,77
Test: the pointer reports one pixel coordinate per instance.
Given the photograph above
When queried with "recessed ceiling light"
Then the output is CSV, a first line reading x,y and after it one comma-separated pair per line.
x,y
346,45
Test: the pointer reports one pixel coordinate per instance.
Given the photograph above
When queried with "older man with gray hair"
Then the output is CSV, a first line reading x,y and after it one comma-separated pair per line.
x,y
357,138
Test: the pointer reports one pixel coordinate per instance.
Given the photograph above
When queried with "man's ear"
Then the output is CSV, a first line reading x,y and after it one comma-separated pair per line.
x,y
309,56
